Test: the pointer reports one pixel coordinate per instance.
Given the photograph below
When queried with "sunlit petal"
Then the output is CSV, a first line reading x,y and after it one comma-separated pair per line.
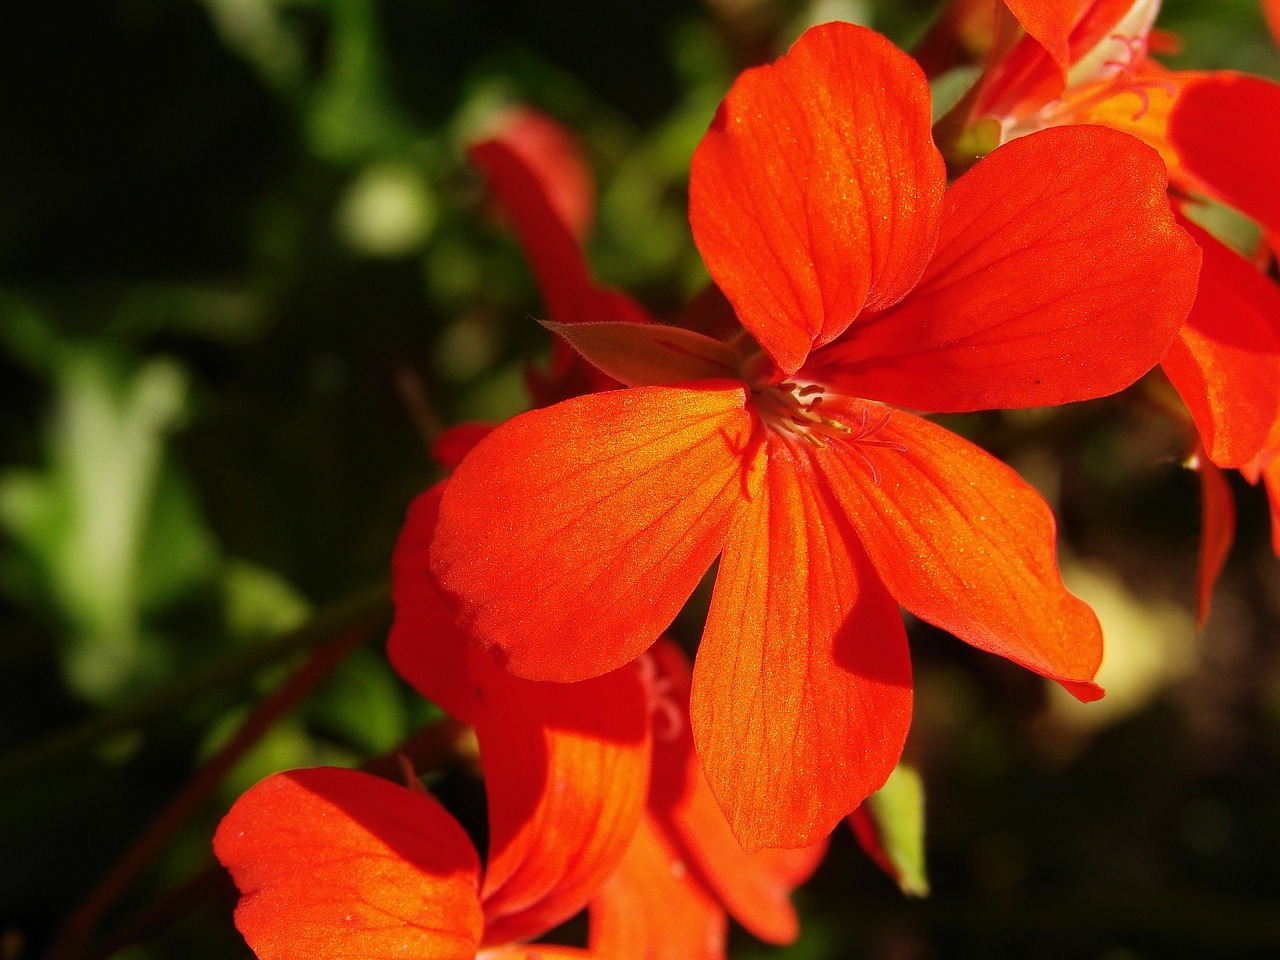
x,y
1225,363
965,543
816,190
802,685
654,908
755,887
566,773
1060,275
572,536
343,865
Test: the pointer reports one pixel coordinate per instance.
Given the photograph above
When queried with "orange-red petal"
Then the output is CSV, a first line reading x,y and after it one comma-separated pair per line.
x,y
1141,109
802,684
537,951
1060,275
1224,129
1271,10
816,190
1225,363
566,773
425,646
1271,480
1217,531
548,241
1050,24
566,766
654,908
571,536
553,157
966,544
755,887
1063,45
343,865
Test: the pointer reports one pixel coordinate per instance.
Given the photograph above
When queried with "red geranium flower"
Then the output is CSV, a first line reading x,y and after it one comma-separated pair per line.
x,y
530,161
341,864
681,864
1053,271
1085,62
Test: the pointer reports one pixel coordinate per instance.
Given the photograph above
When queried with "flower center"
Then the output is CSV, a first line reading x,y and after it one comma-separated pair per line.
x,y
1112,79
794,409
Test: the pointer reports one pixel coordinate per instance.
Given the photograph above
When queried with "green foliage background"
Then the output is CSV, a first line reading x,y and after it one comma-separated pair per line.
x,y
243,267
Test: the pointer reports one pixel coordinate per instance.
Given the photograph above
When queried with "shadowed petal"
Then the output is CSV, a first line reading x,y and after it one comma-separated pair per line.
x,y
966,544
1224,128
1271,479
816,190
1217,531
802,685
535,951
552,156
1066,43
536,174
755,887
654,908
1060,275
571,536
1225,363
566,773
425,646
566,766
343,865
548,241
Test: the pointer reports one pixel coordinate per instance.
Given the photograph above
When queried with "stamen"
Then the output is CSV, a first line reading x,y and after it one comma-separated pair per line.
x,y
794,410
665,714
1073,107
1135,50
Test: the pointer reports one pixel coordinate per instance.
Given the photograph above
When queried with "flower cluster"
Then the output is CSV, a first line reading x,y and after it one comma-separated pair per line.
x,y
1089,64
778,430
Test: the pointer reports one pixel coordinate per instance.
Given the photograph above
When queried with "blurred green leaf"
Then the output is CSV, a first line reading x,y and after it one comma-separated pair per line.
x,y
898,811
388,211
362,703
259,602
112,530
948,89
259,31
286,746
352,116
